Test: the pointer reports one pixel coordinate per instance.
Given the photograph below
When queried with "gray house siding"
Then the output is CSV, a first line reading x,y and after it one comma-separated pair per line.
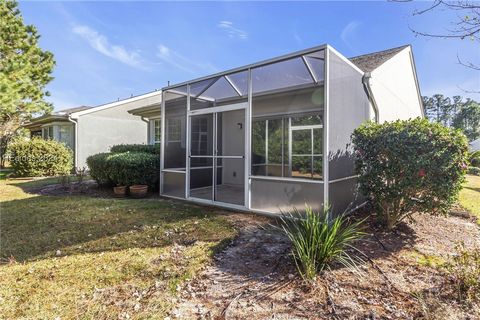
x,y
99,130
348,108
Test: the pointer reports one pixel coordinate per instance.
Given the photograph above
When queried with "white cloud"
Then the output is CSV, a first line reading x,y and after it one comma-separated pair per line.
x,y
349,31
179,61
101,44
231,31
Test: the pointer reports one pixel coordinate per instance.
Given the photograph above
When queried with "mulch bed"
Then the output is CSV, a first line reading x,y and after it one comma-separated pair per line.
x,y
86,188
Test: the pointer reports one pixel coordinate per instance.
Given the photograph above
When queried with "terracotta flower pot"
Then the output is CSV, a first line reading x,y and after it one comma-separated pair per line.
x,y
120,191
138,190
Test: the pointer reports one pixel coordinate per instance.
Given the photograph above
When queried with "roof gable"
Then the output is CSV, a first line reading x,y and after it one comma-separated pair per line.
x,y
371,61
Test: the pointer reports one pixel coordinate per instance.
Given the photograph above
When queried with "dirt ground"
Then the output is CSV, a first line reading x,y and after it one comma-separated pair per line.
x,y
255,277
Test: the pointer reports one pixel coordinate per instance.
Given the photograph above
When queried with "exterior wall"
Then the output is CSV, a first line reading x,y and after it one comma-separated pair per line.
x,y
394,87
98,131
348,107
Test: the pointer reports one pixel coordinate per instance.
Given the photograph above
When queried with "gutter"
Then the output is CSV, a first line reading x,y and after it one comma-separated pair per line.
x,y
75,152
368,89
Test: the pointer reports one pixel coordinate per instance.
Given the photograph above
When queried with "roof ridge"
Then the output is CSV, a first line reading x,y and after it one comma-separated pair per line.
x,y
381,51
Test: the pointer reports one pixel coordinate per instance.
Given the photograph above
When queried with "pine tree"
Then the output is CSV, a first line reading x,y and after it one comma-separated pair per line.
x,y
25,70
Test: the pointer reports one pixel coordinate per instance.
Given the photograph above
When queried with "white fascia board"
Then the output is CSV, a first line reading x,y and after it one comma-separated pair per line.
x,y
414,69
75,115
345,59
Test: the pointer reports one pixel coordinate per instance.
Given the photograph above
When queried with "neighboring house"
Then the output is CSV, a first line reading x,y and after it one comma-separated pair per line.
x,y
91,130
275,134
475,145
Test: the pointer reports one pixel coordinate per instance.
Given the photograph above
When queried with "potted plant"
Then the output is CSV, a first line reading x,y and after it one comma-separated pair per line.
x,y
138,190
120,191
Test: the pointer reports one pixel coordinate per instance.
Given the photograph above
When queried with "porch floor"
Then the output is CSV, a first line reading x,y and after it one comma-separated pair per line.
x,y
226,193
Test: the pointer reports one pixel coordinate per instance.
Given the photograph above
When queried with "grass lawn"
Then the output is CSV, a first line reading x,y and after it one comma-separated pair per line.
x,y
470,195
81,257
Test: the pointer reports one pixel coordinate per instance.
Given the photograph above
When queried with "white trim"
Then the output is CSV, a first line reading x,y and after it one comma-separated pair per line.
x,y
345,59
326,124
287,179
174,170
75,115
343,179
56,123
228,107
417,85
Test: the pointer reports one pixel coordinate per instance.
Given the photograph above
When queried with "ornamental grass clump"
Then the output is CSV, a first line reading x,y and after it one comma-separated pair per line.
x,y
409,166
320,239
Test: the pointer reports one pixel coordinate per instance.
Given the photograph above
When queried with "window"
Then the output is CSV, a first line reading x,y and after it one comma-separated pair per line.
x,y
174,130
288,146
65,135
155,131
47,133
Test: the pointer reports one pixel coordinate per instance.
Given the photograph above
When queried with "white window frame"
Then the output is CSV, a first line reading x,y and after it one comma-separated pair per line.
x,y
151,135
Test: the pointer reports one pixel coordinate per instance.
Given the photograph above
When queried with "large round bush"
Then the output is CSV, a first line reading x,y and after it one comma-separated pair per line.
x,y
38,157
409,166
125,169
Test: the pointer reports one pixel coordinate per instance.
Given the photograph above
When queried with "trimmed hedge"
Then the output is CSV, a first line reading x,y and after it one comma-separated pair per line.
x,y
146,148
38,157
409,166
125,169
99,168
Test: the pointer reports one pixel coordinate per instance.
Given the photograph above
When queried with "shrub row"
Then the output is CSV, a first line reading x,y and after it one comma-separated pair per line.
x,y
146,148
39,157
125,169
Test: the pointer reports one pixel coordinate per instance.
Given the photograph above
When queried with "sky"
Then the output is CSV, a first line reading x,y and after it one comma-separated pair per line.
x,y
106,51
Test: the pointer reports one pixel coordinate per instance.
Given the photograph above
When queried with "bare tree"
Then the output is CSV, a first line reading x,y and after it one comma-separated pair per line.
x,y
466,25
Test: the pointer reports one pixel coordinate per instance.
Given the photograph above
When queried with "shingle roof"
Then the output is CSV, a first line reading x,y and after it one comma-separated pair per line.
x,y
371,61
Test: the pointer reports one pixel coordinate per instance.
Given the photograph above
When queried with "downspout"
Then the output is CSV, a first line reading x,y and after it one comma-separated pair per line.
x,y
75,152
368,89
148,127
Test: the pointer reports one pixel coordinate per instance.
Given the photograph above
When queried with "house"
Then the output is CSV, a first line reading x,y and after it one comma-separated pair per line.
x,y
474,145
91,130
274,135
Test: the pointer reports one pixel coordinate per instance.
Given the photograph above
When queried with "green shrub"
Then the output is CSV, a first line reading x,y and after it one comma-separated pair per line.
x,y
125,169
38,157
131,168
318,240
464,273
474,158
100,168
146,148
474,171
409,166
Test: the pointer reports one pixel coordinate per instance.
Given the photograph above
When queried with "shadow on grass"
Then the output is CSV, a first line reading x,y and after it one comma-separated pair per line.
x,y
472,188
41,227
